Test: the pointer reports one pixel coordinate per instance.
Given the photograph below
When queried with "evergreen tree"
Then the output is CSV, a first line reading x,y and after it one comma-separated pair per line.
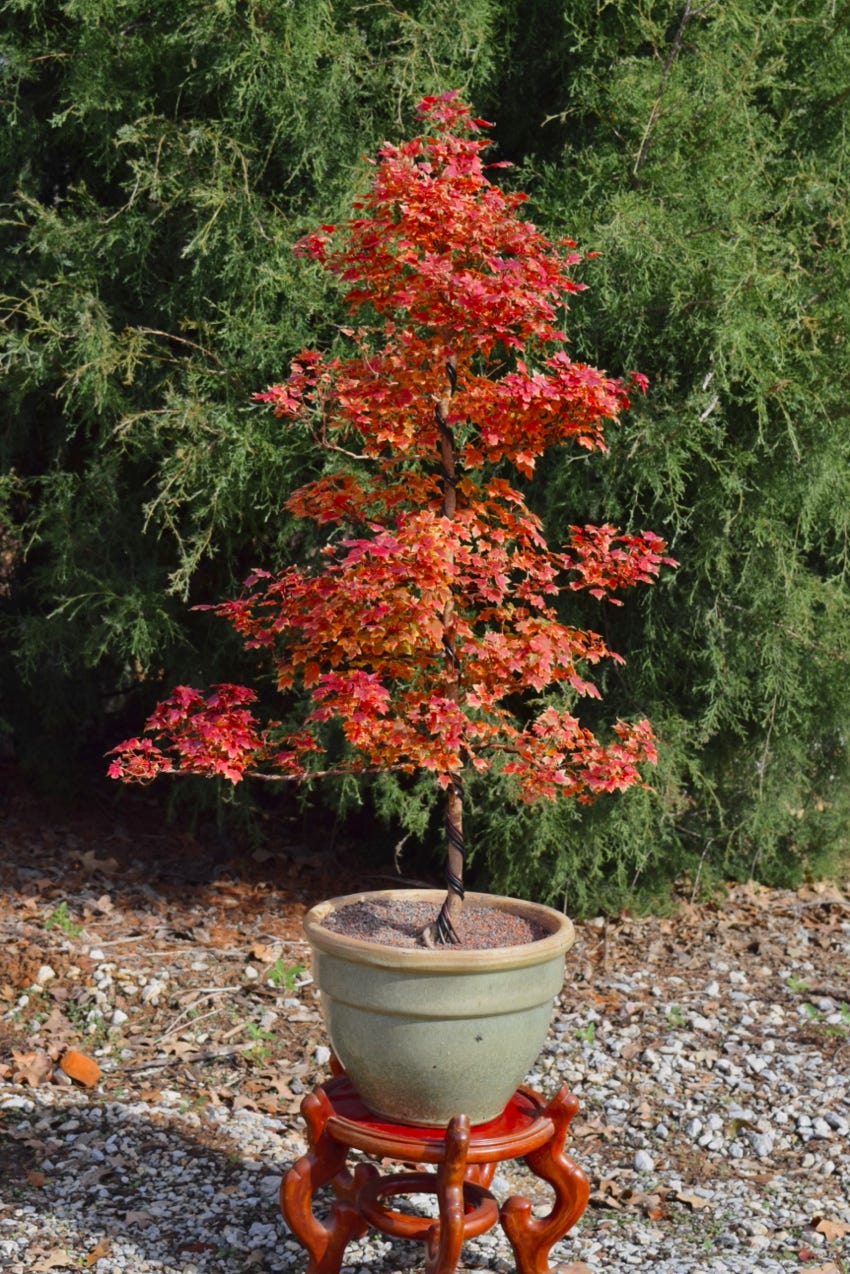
x,y
703,151
157,162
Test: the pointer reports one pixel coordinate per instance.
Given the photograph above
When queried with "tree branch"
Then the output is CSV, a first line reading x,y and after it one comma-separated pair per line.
x,y
675,50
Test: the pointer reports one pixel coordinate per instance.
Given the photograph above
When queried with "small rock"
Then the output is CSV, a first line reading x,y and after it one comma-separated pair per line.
x,y
322,1055
643,1161
152,990
762,1144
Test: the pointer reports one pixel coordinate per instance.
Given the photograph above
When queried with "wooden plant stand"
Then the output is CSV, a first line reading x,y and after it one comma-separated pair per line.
x,y
466,1159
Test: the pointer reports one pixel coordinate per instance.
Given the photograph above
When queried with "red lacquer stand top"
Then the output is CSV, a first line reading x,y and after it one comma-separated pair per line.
x,y
529,1128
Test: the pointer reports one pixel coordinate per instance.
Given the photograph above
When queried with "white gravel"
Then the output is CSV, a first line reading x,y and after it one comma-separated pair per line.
x,y
714,1124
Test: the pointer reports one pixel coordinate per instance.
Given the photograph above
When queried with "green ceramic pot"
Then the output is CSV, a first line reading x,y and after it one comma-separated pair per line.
x,y
428,1034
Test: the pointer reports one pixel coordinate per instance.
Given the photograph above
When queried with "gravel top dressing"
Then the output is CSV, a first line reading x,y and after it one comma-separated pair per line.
x,y
399,924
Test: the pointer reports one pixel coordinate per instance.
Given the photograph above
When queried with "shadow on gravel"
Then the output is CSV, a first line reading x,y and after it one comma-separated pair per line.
x,y
101,1180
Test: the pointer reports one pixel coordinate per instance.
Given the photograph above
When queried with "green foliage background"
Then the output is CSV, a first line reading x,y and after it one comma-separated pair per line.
x,y
157,163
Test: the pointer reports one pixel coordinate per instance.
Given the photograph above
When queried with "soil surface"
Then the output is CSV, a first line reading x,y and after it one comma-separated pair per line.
x,y
400,924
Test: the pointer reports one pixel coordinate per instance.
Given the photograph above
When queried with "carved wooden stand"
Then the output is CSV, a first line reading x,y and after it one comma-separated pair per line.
x,y
466,1159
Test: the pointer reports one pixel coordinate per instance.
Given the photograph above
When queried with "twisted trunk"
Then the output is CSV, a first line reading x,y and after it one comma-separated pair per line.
x,y
443,930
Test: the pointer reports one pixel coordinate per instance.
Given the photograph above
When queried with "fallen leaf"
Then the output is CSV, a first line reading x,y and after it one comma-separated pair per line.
x,y
137,1218
101,1250
592,1128
831,1229
94,1175
31,1068
599,1200
91,863
256,1256
695,1201
35,1178
759,1178
180,1048
57,1258
281,1088
55,1025
649,1204
222,936
244,1103
829,1268
821,891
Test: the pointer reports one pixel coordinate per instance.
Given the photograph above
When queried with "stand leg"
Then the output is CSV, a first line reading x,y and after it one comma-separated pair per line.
x,y
325,1162
532,1237
444,1240
481,1174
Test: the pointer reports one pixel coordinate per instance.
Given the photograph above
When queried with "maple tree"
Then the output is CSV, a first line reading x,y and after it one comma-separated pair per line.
x,y
429,629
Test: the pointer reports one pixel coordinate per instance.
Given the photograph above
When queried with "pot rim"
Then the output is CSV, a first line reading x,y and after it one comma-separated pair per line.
x,y
441,959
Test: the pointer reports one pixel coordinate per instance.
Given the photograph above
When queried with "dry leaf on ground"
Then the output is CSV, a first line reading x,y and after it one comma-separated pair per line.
x,y
56,1259
694,1201
31,1068
102,1249
831,1229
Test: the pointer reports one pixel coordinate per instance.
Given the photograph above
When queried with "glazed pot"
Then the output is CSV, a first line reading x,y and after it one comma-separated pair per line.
x,y
427,1034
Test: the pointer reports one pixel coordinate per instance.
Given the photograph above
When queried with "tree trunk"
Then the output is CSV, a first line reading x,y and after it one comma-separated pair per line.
x,y
443,930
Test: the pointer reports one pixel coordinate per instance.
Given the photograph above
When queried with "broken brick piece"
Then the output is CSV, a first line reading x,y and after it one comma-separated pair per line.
x,y
81,1068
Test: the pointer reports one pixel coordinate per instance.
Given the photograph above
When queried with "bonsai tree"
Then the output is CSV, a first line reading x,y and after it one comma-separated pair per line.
x,y
429,628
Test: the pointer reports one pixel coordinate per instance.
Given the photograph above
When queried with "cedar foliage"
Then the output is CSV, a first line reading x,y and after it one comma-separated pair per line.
x,y
158,162
703,151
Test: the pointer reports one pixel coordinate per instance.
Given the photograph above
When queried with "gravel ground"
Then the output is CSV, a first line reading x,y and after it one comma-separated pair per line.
x,y
709,1050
